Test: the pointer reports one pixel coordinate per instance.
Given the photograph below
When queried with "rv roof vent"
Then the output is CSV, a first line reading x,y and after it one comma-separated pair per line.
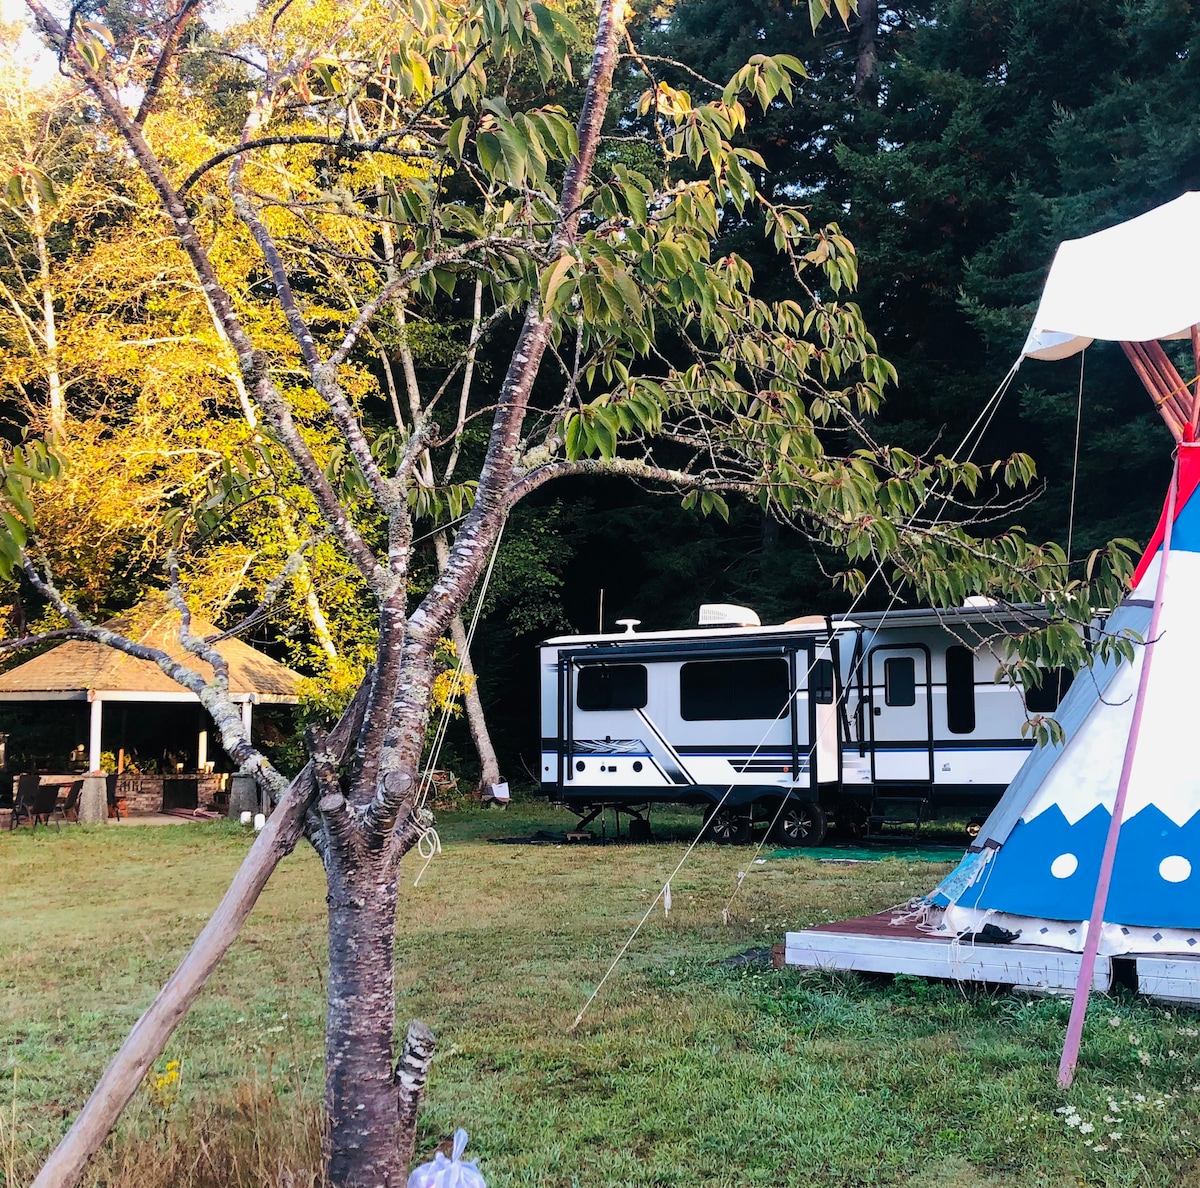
x,y
979,601
724,614
629,624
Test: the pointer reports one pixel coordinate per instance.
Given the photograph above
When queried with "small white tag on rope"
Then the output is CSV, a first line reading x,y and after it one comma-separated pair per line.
x,y
667,899
724,915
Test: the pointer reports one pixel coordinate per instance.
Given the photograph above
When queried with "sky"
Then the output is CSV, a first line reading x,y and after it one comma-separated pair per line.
x,y
30,47
219,14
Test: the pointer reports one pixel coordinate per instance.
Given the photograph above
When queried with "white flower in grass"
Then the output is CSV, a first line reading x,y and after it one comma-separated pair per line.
x,y
1067,1109
1115,1136
1099,1147
1144,1057
1086,1127
1115,1021
1139,1098
1189,1031
1073,1120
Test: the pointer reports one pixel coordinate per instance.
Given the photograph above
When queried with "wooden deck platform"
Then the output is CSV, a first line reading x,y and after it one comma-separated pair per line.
x,y
874,944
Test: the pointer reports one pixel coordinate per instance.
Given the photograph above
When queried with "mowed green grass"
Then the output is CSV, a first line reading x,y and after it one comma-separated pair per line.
x,y
688,1070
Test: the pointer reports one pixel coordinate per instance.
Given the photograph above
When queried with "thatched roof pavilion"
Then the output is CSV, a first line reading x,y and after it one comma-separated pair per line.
x,y
80,670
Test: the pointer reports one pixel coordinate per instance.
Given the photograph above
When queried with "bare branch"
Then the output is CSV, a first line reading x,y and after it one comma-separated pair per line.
x,y
626,468
166,54
341,143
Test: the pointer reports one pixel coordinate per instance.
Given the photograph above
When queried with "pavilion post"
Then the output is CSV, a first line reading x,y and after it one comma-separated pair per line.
x,y
94,725
202,750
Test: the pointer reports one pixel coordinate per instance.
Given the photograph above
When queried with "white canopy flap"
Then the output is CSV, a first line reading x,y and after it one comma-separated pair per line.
x,y
1130,283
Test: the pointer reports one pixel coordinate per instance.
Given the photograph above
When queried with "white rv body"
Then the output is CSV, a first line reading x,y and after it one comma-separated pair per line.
x,y
841,714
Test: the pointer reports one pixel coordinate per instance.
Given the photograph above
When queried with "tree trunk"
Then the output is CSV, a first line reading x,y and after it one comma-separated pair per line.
x,y
54,389
489,765
304,584
364,1141
868,30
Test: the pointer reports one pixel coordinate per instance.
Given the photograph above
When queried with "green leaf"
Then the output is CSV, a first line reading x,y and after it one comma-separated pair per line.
x,y
456,138
16,530
487,145
575,438
553,279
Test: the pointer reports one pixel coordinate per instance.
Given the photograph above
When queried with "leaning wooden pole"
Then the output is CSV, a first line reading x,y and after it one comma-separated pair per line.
x,y
1091,944
149,1036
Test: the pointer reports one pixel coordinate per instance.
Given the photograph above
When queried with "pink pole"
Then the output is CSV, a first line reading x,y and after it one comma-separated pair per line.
x,y
1091,944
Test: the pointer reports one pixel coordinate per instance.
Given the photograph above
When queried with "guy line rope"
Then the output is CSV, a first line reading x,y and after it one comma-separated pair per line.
x,y
984,419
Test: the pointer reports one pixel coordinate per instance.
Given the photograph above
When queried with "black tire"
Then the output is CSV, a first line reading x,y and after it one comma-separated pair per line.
x,y
728,826
801,823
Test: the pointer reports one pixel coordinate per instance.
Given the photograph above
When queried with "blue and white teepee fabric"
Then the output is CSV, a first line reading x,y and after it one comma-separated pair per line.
x,y
1034,866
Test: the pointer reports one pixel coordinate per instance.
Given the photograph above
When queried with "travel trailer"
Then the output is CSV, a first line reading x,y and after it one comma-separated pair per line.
x,y
887,718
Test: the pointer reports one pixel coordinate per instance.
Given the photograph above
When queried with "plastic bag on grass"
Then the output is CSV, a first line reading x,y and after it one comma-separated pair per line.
x,y
454,1172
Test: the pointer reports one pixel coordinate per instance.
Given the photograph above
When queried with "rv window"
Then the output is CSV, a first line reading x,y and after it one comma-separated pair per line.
x,y
712,690
960,690
820,682
900,681
611,687
1045,699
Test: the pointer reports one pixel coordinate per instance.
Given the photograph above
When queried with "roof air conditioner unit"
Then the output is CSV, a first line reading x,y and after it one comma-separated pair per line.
x,y
724,614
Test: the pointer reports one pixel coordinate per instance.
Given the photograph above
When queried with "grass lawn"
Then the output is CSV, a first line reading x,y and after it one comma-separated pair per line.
x,y
688,1070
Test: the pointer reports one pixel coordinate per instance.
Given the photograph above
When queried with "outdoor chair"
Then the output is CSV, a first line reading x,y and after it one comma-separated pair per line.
x,y
69,811
34,801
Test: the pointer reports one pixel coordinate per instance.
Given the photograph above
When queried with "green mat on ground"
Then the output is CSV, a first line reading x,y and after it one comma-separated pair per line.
x,y
850,853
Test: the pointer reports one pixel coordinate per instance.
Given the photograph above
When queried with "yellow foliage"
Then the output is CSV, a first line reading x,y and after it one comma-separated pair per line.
x,y
163,1087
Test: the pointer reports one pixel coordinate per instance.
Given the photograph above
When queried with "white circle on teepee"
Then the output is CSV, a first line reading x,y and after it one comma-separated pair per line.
x,y
1064,866
1175,868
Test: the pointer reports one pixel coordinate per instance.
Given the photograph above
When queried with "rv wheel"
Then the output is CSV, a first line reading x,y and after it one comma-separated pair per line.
x,y
728,827
801,823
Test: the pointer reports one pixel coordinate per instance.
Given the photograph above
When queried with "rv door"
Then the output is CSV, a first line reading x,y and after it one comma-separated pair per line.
x,y
900,715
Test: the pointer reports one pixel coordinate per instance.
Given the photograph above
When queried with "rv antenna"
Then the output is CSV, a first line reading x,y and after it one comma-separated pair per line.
x,y
600,616
629,624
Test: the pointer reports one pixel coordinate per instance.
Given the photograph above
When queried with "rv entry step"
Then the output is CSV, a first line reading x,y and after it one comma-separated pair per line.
x,y
898,816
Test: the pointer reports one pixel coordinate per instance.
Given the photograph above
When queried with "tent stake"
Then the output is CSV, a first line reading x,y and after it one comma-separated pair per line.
x,y
1091,944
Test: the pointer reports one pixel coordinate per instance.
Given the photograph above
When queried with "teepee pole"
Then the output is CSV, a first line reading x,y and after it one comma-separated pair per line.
x,y
1091,944
1167,402
1195,418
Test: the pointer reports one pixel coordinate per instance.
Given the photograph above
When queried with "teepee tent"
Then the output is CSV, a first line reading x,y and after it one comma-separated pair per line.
x,y
1035,865
1095,846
